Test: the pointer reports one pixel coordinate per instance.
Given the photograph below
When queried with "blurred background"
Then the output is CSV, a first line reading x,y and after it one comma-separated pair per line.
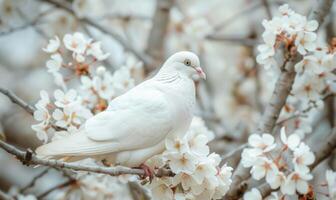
x,y
223,33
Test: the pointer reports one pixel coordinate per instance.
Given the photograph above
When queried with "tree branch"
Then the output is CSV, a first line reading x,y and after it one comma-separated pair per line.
x,y
33,181
5,196
282,89
267,8
29,158
15,99
65,6
157,34
56,187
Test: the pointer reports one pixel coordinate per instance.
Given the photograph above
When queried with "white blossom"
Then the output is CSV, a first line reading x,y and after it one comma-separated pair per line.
x,y
297,181
76,42
303,157
263,167
65,99
254,194
53,45
185,162
55,63
265,142
292,141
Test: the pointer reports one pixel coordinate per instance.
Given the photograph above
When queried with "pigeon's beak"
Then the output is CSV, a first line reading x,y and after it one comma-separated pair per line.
x,y
200,72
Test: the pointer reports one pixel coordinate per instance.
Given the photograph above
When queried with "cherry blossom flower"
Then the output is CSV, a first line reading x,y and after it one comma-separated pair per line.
x,y
263,167
264,142
286,28
202,170
297,181
276,179
41,131
59,80
161,190
182,162
249,156
76,42
224,178
305,42
44,101
66,118
53,45
187,181
95,50
303,157
176,145
292,141
253,194
64,99
198,145
307,88
55,63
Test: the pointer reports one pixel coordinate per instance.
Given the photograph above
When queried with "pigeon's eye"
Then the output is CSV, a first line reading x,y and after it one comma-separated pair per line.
x,y
187,62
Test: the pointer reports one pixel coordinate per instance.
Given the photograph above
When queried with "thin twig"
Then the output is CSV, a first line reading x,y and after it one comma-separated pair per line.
x,y
15,99
233,39
29,158
234,152
28,24
56,187
234,17
33,181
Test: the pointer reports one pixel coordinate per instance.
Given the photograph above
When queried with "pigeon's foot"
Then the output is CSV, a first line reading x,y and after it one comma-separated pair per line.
x,y
148,172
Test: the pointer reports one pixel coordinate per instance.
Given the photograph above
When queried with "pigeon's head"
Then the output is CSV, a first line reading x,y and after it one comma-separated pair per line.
x,y
185,62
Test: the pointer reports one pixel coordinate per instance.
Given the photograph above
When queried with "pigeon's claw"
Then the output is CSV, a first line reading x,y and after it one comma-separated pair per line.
x,y
148,172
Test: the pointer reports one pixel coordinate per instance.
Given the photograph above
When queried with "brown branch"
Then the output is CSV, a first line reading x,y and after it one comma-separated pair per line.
x,y
29,158
56,187
148,61
282,89
267,8
158,32
233,39
234,17
33,181
15,99
5,196
321,11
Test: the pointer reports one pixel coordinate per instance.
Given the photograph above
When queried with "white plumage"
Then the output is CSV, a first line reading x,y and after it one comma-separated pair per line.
x,y
134,126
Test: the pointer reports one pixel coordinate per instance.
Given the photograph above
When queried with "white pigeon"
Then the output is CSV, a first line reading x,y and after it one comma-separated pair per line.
x,y
134,126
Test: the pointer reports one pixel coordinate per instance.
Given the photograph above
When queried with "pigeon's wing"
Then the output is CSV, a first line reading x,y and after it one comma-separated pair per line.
x,y
139,119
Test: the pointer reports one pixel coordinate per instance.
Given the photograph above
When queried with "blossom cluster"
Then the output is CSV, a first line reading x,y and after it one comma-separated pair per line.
x,y
197,173
284,165
315,78
78,57
290,29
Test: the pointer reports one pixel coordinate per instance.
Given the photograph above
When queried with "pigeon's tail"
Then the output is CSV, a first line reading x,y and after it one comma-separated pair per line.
x,y
75,145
